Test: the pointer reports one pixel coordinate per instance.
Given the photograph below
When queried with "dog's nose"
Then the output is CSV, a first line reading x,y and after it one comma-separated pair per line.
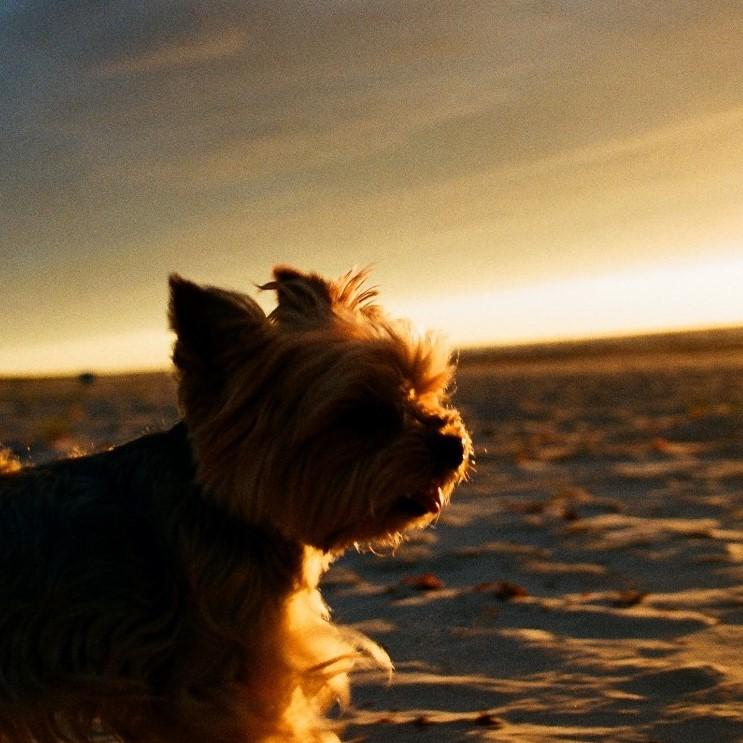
x,y
447,451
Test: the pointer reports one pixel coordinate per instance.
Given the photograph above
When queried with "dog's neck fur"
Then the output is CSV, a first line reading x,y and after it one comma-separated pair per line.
x,y
172,450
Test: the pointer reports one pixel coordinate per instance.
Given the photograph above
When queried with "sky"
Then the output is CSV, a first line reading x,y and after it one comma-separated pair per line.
x,y
515,170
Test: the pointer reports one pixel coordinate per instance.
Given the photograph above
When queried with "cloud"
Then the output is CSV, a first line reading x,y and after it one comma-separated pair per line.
x,y
484,142
192,52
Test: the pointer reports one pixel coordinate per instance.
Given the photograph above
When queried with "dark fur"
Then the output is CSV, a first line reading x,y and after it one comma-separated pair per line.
x,y
110,567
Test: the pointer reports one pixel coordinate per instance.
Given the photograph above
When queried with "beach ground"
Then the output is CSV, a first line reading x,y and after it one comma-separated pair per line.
x,y
585,585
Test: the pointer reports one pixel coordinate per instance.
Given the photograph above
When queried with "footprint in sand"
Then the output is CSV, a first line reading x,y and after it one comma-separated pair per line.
x,y
674,682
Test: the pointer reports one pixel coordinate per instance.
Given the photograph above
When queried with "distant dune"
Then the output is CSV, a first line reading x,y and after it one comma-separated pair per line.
x,y
716,344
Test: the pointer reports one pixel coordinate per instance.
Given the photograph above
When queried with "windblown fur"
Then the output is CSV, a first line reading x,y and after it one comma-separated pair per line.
x,y
166,590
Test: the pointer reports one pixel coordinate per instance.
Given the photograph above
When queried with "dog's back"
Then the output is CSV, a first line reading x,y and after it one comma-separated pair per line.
x,y
89,594
128,599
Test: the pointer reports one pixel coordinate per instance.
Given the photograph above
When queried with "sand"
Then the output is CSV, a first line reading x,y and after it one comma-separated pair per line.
x,y
585,585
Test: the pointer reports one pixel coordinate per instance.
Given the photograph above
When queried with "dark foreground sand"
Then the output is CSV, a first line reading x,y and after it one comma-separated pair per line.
x,y
585,586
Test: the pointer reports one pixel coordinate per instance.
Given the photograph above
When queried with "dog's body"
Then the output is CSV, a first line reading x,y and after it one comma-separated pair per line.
x,y
166,590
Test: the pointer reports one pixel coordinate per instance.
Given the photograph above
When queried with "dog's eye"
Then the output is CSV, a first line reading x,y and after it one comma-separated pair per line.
x,y
374,419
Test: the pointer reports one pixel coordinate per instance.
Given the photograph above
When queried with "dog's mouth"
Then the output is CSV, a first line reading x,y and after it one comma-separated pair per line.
x,y
422,503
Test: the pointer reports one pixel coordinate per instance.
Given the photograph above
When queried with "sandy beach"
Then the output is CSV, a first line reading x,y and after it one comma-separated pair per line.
x,y
585,585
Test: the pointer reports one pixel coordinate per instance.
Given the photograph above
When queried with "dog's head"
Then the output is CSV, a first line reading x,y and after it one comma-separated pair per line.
x,y
325,420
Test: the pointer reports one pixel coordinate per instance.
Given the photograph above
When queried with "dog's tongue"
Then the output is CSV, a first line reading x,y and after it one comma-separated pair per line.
x,y
429,500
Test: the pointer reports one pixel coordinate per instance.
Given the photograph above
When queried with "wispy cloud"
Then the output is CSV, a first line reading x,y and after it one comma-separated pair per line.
x,y
468,143
217,46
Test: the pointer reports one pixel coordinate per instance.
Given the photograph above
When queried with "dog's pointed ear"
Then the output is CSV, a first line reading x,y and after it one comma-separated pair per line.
x,y
209,322
303,298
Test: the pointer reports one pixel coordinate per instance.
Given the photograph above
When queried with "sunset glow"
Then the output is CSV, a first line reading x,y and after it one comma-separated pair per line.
x,y
690,296
142,350
514,171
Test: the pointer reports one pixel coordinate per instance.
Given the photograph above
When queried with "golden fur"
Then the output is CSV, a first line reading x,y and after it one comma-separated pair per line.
x,y
167,590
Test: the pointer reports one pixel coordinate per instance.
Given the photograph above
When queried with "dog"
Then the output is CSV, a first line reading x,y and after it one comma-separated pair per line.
x,y
166,590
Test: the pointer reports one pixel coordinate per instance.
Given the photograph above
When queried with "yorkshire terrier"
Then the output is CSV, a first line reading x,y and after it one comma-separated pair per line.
x,y
166,591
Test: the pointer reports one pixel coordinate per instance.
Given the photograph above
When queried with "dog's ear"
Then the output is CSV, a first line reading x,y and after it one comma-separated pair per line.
x,y
304,299
209,322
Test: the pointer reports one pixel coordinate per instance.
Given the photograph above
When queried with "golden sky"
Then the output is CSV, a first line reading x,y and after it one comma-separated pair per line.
x,y
515,170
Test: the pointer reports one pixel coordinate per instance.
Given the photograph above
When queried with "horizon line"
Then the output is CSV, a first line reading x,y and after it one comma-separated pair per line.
x,y
547,342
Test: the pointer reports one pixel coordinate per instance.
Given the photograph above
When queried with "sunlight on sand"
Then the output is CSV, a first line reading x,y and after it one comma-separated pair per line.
x,y
585,585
